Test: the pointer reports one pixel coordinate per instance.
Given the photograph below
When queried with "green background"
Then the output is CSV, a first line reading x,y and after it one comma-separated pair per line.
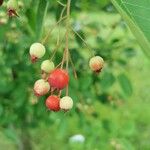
x,y
111,110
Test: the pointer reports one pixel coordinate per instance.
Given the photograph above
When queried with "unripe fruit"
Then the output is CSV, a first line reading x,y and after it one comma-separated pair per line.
x,y
37,50
12,6
96,63
47,66
58,79
52,103
41,87
66,103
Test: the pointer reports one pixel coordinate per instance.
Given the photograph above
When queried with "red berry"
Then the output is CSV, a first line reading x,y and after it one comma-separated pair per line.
x,y
52,103
58,79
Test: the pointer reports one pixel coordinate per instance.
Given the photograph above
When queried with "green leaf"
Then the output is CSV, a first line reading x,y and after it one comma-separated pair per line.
x,y
85,82
125,84
107,80
1,110
11,134
136,13
41,13
128,128
31,15
125,144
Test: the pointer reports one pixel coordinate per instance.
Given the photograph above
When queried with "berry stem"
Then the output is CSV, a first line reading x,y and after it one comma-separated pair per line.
x,y
67,33
57,46
66,50
67,38
58,65
73,67
67,91
57,23
59,93
75,32
58,43
58,37
63,59
61,3
50,31
62,12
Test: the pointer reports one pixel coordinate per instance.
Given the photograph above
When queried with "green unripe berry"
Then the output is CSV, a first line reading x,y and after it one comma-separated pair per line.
x,y
37,50
66,103
47,66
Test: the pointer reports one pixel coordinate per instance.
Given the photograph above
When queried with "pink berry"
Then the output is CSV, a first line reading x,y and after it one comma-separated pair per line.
x,y
96,63
41,87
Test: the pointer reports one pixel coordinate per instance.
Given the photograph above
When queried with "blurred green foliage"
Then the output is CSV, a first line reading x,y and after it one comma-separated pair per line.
x,y
110,110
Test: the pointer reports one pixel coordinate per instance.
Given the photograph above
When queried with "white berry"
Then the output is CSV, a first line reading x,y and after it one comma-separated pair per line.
x,y
41,87
66,103
37,50
96,63
47,66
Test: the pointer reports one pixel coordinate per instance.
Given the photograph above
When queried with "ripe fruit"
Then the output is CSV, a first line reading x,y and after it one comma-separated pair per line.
x,y
41,87
58,79
47,66
66,103
96,63
37,50
52,103
12,6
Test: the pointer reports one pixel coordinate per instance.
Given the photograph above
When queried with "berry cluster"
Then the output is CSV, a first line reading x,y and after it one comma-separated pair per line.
x,y
55,79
